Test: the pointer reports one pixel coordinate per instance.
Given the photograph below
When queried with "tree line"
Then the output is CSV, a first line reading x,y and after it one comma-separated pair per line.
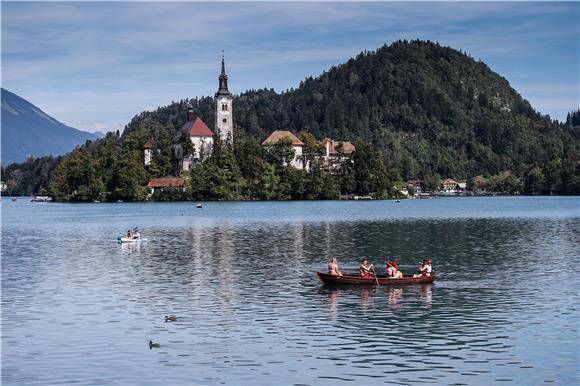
x,y
430,112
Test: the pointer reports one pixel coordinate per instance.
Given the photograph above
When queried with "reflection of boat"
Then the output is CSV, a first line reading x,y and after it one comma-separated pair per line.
x,y
130,240
382,280
41,199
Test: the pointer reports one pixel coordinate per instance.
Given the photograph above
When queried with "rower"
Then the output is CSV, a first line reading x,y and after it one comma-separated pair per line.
x,y
365,270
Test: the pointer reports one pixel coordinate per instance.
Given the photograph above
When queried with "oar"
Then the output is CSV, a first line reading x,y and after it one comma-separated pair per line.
x,y
376,279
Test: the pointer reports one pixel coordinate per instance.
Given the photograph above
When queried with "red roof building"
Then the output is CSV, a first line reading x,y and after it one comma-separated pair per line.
x,y
449,185
197,128
276,136
148,145
347,148
160,183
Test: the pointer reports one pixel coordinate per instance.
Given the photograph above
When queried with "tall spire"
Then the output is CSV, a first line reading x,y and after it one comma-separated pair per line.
x,y
223,88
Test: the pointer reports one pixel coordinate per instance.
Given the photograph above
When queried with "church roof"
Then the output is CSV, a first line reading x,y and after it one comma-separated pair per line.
x,y
279,134
197,128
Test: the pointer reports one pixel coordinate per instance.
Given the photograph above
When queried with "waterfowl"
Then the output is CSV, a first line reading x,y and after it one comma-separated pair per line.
x,y
170,318
152,345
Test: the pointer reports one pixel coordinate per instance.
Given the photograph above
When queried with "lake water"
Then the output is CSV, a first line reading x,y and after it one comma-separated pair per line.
x,y
78,308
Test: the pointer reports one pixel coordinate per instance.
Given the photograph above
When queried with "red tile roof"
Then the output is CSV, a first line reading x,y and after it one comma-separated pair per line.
x,y
148,145
347,147
197,128
449,181
166,183
279,134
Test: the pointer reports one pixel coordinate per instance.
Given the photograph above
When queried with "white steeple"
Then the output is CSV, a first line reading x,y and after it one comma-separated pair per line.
x,y
224,122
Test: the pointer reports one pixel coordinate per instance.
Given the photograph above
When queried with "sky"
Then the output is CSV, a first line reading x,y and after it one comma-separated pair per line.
x,y
95,65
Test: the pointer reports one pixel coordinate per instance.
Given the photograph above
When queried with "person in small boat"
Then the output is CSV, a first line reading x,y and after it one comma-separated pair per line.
x,y
333,267
129,234
365,270
425,268
393,270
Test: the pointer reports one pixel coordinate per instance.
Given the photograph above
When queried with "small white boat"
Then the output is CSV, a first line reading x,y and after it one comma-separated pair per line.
x,y
41,199
199,206
131,240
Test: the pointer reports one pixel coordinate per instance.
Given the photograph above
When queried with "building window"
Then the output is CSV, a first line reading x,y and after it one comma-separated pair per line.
x,y
224,107
224,120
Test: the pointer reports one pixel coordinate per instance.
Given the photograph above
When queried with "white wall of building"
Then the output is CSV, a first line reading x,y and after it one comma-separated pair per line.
x,y
148,154
224,118
297,161
201,143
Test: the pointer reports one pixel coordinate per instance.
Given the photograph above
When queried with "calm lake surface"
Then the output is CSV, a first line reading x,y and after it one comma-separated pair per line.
x,y
78,308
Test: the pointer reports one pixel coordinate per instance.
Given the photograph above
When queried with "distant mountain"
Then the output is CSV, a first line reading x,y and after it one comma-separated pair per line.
x,y
28,131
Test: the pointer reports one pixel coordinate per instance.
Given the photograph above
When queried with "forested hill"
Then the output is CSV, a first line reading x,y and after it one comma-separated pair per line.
x,y
433,110
413,109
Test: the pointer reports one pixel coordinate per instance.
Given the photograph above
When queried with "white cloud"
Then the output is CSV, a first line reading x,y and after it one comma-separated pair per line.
x,y
105,62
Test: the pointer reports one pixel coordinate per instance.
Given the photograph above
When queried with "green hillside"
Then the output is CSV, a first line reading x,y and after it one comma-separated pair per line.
x,y
431,112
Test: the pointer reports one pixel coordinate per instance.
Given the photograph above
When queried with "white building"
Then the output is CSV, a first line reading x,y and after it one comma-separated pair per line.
x,y
297,145
148,153
201,138
224,117
332,159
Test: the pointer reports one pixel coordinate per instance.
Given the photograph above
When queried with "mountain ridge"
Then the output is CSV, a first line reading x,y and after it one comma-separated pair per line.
x,y
23,124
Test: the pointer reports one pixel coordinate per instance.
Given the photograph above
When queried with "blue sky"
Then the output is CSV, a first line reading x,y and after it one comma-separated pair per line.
x,y
95,65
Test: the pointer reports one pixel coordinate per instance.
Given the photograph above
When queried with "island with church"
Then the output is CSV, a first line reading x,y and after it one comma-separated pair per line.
x,y
397,122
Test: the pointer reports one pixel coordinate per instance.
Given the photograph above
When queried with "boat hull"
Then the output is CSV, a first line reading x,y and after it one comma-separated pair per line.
x,y
357,280
126,240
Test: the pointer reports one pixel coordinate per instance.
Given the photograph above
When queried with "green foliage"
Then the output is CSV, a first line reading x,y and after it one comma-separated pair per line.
x,y
30,177
415,109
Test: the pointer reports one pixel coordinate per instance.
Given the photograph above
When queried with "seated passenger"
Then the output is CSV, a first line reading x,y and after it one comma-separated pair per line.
x,y
333,267
365,270
425,268
397,274
391,269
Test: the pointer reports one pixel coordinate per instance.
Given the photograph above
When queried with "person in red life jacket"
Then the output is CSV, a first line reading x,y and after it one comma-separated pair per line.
x,y
365,270
391,269
333,267
397,274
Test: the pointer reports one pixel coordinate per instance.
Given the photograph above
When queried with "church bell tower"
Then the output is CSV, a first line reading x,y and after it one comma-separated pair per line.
x,y
224,122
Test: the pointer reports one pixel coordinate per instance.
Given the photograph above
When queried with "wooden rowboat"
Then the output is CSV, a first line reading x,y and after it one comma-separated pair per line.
x,y
357,280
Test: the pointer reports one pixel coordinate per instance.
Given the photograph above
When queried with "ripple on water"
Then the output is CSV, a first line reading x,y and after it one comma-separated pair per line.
x,y
250,311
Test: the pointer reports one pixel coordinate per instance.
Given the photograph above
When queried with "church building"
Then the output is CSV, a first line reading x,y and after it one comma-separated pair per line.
x,y
224,117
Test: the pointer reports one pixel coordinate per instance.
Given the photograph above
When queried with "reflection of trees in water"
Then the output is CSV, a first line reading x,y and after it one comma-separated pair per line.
x,y
459,248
